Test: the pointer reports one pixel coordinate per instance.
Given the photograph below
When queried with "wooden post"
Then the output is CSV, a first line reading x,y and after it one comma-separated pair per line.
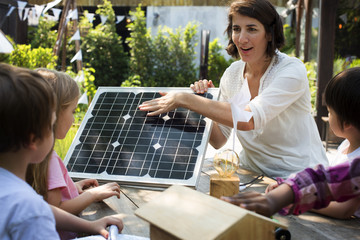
x,y
326,54
308,29
221,186
299,13
77,42
61,27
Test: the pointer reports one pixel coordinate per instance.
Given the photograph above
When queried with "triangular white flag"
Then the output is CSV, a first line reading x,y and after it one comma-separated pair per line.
x,y
344,17
56,13
5,44
21,6
76,36
103,19
119,19
51,5
90,17
26,14
73,14
78,56
80,77
39,9
83,99
10,11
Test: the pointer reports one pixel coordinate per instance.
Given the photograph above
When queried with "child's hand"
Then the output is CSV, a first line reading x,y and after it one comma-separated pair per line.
x,y
86,184
105,191
99,226
252,201
271,187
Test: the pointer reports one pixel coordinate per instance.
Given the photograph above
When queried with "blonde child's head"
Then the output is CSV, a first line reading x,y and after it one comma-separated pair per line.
x,y
67,93
342,95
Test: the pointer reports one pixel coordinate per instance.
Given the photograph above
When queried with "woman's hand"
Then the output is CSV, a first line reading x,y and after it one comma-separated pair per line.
x,y
82,185
166,103
202,86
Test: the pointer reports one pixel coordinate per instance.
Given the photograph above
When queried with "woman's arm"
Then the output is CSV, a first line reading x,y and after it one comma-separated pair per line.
x,y
215,110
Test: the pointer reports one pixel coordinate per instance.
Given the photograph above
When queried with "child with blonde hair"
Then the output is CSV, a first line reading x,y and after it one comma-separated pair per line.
x,y
333,191
27,110
51,179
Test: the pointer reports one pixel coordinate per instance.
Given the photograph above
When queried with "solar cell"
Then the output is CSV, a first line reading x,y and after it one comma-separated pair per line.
x,y
118,142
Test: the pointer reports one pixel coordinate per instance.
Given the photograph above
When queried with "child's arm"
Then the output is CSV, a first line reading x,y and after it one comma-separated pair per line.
x,y
266,205
78,204
343,210
311,188
68,222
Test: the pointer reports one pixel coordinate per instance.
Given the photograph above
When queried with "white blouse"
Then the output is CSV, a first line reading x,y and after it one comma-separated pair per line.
x,y
285,138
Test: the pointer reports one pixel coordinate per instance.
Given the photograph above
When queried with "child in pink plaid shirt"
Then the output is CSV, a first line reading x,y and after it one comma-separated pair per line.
x,y
333,191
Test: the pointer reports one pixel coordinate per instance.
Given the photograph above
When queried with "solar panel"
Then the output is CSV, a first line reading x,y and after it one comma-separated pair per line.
x,y
118,142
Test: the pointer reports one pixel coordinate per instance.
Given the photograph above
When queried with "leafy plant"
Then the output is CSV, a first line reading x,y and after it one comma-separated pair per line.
x,y
311,69
103,49
290,37
43,35
164,60
24,56
217,62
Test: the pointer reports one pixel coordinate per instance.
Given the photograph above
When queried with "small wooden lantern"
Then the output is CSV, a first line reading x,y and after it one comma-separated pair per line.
x,y
183,213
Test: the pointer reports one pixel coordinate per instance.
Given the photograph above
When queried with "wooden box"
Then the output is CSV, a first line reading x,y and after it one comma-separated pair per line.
x,y
183,213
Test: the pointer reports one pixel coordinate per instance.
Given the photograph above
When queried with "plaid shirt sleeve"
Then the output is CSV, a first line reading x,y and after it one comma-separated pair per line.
x,y
316,188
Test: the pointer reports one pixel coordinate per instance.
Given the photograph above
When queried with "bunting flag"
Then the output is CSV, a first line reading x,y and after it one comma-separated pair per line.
x,y
103,19
26,13
90,17
76,36
39,9
21,7
83,99
56,13
5,44
80,77
51,5
78,56
10,11
238,104
119,18
344,18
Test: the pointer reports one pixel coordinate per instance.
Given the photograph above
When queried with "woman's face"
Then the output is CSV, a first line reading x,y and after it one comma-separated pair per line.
x,y
65,120
250,38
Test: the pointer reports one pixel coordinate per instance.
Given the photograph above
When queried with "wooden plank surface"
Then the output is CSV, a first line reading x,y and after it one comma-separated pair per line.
x,y
305,226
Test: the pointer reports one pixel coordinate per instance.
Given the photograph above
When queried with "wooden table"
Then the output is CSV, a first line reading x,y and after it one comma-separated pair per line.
x,y
306,226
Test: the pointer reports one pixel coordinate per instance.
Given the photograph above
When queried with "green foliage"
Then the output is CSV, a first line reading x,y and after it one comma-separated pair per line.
x,y
132,81
103,49
43,35
290,37
164,60
311,69
348,33
217,62
24,56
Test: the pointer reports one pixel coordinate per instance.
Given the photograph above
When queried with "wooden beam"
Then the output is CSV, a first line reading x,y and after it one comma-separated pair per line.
x,y
308,29
326,54
299,13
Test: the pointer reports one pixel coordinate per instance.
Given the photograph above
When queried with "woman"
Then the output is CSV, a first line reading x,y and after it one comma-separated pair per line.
x,y
281,137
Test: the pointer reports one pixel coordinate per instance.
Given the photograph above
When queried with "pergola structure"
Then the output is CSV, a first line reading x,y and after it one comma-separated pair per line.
x,y
325,44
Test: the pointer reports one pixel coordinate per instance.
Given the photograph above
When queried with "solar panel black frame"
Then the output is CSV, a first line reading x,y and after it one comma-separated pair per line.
x,y
113,123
